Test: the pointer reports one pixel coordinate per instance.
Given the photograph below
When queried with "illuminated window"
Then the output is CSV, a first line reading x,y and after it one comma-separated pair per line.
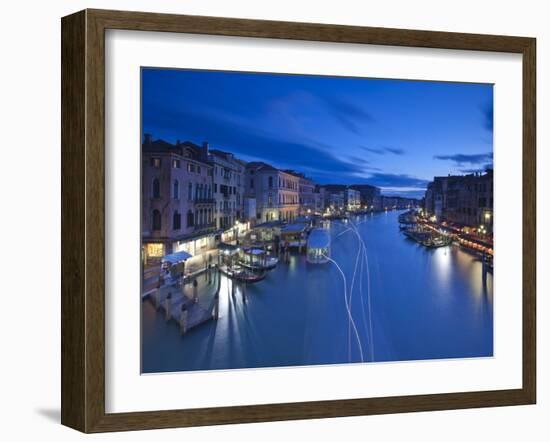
x,y
155,250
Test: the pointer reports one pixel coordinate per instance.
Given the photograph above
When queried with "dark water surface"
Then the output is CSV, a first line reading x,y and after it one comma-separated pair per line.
x,y
423,304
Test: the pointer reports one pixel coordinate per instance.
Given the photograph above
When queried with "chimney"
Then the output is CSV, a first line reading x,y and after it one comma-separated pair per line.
x,y
204,152
147,139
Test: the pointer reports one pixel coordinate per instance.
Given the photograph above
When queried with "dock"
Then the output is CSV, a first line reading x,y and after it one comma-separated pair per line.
x,y
183,308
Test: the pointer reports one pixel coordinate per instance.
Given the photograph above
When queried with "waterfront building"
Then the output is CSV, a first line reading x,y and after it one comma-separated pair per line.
x,y
462,199
368,194
398,202
306,195
319,199
177,203
334,197
228,192
341,197
352,199
276,192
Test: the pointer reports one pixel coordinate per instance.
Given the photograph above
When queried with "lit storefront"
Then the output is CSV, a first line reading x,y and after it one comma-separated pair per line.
x,y
152,252
195,246
236,232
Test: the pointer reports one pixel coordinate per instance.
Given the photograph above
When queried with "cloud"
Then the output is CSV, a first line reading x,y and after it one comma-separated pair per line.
x,y
359,160
488,116
395,151
463,159
238,137
384,150
351,116
390,180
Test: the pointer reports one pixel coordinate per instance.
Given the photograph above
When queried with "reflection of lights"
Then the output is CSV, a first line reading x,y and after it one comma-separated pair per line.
x,y
442,264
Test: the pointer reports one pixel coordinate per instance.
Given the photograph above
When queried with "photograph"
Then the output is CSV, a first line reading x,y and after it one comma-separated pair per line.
x,y
292,220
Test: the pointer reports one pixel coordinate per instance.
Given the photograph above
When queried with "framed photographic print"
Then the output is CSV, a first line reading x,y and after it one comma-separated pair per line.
x,y
269,220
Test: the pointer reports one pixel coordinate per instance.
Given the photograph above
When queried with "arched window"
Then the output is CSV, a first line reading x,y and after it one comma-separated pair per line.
x,y
157,225
156,188
176,190
176,221
190,219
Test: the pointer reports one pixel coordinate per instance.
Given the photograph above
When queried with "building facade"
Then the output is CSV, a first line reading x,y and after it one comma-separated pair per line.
x,y
465,200
177,203
334,197
352,199
228,189
368,194
306,195
276,192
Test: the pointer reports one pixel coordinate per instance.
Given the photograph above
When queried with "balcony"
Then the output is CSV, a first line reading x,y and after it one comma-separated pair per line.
x,y
203,200
204,226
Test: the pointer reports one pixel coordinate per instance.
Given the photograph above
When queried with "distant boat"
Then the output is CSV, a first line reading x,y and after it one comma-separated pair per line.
x,y
318,246
438,241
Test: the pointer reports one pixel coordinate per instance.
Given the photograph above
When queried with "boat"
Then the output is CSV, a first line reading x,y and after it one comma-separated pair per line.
x,y
258,260
241,274
438,241
318,246
407,219
427,238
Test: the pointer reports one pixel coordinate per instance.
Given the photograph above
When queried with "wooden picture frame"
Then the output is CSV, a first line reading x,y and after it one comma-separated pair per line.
x,y
83,220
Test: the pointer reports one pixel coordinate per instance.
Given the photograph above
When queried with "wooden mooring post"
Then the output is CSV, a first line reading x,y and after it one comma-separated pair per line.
x,y
183,319
216,314
168,306
484,269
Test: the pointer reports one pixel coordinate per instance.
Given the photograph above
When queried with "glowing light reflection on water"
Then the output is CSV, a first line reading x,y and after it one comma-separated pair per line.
x,y
426,304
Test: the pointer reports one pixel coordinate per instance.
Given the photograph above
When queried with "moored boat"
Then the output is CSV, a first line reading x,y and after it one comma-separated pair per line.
x,y
258,260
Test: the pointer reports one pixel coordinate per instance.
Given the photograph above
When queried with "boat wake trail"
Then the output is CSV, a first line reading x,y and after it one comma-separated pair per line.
x,y
365,261
352,322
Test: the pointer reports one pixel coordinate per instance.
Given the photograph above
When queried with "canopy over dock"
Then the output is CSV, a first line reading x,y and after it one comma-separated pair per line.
x,y
254,251
176,258
292,229
318,246
318,239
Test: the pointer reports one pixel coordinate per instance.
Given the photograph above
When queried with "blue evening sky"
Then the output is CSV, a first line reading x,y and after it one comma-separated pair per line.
x,y
395,134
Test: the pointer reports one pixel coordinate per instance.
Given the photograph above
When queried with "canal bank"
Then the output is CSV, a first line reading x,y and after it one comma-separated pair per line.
x,y
424,304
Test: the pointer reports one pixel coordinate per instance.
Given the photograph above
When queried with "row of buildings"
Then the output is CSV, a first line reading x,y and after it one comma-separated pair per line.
x,y
465,200
194,197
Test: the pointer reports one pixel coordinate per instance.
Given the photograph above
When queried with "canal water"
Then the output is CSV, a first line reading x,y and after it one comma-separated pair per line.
x,y
409,303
